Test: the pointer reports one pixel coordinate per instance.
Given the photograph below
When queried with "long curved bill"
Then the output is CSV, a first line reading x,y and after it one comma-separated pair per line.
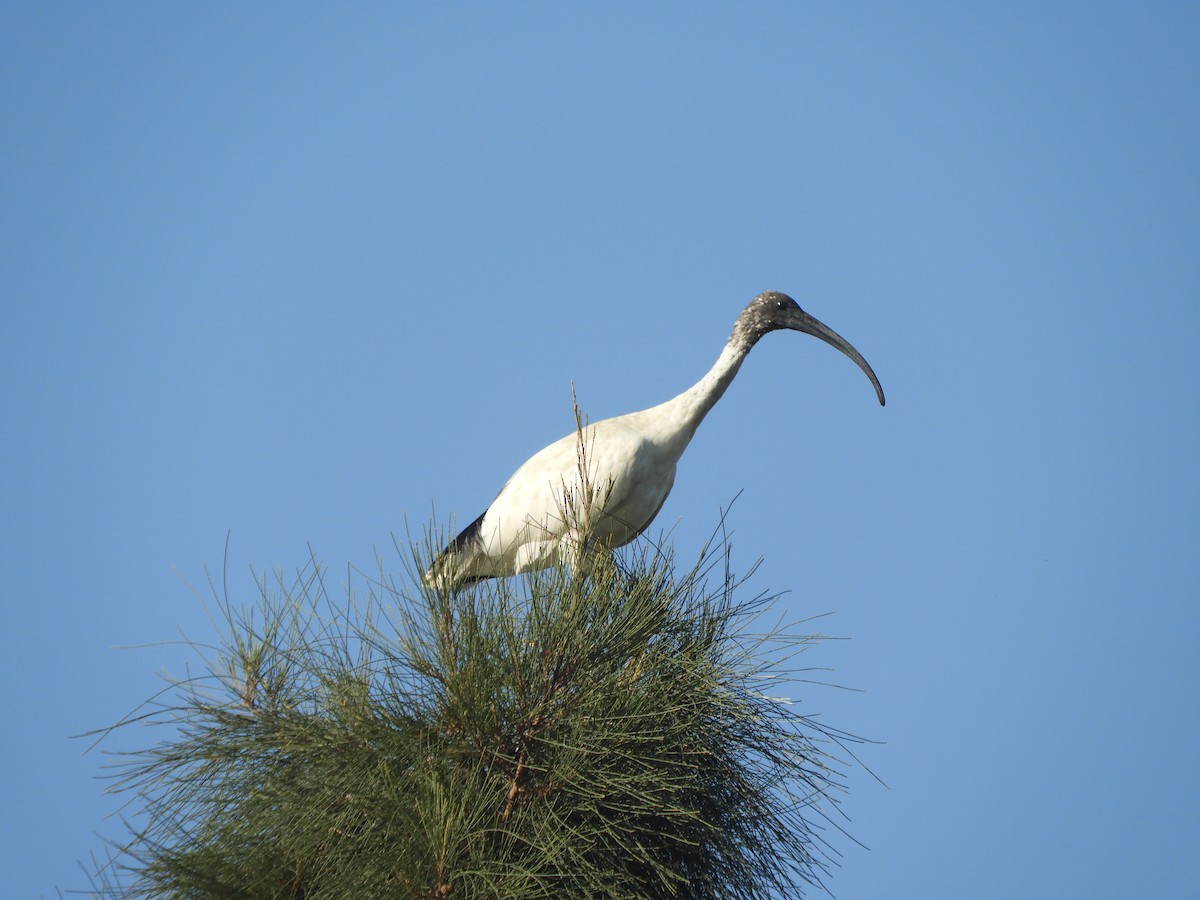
x,y
802,321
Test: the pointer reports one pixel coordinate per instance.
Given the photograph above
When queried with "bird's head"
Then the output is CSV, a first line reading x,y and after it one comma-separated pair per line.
x,y
773,311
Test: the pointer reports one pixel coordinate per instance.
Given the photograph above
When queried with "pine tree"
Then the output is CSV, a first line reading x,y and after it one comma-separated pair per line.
x,y
609,733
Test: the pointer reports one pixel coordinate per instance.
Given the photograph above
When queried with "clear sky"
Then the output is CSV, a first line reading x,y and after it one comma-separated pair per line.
x,y
306,273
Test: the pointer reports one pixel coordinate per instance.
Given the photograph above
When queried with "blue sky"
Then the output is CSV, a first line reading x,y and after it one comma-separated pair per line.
x,y
306,274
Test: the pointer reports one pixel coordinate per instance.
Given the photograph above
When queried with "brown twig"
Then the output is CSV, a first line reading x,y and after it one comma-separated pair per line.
x,y
515,789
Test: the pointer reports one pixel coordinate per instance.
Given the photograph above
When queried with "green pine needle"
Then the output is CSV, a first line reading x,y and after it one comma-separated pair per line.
x,y
611,734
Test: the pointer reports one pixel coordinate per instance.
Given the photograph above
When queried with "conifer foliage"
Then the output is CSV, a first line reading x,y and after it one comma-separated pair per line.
x,y
615,733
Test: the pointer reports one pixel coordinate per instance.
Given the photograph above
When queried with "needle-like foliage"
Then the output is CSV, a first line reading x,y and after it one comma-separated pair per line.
x,y
614,733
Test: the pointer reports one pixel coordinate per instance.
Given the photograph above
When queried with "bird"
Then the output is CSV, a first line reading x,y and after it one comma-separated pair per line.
x,y
602,486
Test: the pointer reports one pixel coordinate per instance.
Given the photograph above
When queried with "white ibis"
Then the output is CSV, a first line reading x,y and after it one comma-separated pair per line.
x,y
605,484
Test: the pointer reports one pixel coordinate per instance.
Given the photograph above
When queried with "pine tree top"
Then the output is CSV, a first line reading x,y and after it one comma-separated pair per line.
x,y
616,733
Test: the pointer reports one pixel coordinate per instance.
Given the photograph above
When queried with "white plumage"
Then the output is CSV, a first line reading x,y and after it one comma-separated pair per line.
x,y
606,484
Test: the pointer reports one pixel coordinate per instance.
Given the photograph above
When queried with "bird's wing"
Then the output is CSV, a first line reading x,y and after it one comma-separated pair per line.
x,y
549,498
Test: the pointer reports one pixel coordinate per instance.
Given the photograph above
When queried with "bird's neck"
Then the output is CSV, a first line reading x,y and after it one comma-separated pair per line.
x,y
682,415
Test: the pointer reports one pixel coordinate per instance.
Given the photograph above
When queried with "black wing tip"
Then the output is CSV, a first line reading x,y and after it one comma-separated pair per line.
x,y
468,536
461,546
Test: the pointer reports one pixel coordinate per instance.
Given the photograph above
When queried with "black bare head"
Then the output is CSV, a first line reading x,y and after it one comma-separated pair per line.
x,y
773,311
